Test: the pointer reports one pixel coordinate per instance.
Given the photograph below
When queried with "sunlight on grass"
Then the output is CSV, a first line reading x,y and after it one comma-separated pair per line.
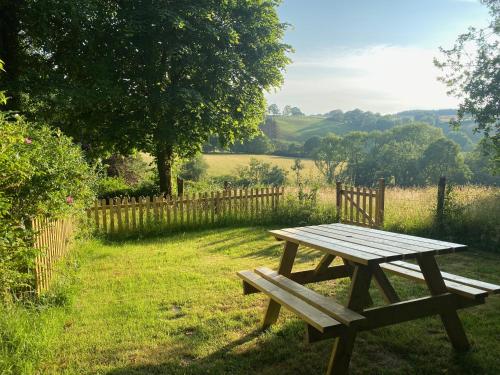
x,y
173,305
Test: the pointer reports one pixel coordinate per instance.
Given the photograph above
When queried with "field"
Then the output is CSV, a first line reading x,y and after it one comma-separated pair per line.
x,y
226,164
300,128
173,305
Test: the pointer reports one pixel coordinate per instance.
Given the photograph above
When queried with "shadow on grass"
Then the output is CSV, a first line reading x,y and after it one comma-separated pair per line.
x,y
284,352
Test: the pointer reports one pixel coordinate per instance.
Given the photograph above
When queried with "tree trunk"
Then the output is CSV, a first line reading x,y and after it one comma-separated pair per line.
x,y
164,161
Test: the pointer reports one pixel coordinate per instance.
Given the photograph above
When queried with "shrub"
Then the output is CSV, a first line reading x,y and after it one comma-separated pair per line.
x,y
261,173
132,169
42,173
194,169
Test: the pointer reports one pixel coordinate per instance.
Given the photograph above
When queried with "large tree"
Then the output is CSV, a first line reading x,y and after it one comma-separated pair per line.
x,y
161,76
471,70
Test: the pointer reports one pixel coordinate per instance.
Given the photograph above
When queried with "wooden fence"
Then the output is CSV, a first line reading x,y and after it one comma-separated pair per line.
x,y
125,214
361,206
53,240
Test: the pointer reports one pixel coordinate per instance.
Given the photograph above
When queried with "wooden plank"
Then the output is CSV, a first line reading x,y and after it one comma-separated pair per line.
x,y
126,209
490,288
343,236
155,209
364,206
285,268
323,264
335,243
451,286
342,350
322,303
351,208
141,212
363,213
354,235
96,213
112,216
370,233
342,251
370,206
181,209
308,313
421,240
357,204
388,292
175,201
437,286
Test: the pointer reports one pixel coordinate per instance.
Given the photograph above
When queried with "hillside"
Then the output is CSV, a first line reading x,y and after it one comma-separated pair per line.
x,y
300,128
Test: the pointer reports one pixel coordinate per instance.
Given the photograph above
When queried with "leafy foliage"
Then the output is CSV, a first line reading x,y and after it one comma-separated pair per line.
x,y
194,169
42,173
471,70
261,173
161,76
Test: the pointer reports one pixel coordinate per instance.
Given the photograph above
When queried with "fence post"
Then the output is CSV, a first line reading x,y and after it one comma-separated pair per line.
x,y
338,202
440,199
180,186
379,218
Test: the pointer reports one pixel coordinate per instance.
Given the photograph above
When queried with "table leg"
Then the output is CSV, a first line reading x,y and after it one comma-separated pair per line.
x,y
342,350
385,285
368,298
324,263
436,285
285,269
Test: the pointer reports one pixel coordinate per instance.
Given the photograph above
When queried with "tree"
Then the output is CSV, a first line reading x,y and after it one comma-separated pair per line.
x,y
161,76
471,70
311,144
329,157
273,110
442,158
295,111
355,149
257,145
270,128
287,110
297,168
194,169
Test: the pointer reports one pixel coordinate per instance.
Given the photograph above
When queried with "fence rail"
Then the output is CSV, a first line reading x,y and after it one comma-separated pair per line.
x,y
361,206
125,214
52,239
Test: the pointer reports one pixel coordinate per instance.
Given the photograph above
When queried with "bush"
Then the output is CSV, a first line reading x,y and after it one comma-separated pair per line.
x,y
261,173
132,169
194,169
42,173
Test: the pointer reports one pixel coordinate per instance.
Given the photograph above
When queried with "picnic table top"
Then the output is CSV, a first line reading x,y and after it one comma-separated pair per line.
x,y
364,245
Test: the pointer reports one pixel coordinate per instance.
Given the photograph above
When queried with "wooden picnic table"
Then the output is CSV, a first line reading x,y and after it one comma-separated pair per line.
x,y
366,254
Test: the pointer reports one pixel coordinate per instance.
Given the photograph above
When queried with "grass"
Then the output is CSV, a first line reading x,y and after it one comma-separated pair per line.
x,y
226,164
173,305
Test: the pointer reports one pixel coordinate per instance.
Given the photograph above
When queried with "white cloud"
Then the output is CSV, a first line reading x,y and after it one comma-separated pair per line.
x,y
380,78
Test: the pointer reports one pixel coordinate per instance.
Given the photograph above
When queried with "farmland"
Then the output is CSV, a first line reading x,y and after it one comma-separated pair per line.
x,y
226,164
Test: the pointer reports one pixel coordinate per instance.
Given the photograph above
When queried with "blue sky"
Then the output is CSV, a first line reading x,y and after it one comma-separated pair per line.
x,y
374,55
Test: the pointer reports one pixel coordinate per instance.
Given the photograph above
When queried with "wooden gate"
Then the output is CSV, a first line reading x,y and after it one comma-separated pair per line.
x,y
361,206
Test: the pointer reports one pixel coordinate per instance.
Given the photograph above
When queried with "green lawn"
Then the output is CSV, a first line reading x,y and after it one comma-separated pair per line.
x,y
174,305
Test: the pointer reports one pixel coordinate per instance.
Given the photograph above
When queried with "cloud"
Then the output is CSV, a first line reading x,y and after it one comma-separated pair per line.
x,y
380,78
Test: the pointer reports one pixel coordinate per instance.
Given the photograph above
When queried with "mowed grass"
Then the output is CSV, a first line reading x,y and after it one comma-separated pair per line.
x,y
174,305
227,164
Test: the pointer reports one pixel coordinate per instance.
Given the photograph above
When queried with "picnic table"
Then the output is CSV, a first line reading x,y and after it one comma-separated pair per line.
x,y
366,254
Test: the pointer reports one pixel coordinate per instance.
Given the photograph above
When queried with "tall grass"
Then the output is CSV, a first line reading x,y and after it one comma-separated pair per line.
x,y
471,216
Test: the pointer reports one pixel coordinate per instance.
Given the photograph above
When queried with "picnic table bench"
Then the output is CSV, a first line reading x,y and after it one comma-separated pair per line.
x,y
366,254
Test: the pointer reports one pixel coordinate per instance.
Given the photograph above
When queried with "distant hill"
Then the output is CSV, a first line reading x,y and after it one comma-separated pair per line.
x,y
300,128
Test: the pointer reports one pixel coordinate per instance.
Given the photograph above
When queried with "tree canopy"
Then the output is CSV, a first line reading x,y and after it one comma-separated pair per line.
x,y
471,70
156,75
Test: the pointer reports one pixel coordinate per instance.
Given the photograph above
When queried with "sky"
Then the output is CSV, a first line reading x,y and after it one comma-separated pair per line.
x,y
374,55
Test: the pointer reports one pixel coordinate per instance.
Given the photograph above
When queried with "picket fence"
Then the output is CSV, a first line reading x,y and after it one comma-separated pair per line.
x,y
52,239
361,206
130,214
